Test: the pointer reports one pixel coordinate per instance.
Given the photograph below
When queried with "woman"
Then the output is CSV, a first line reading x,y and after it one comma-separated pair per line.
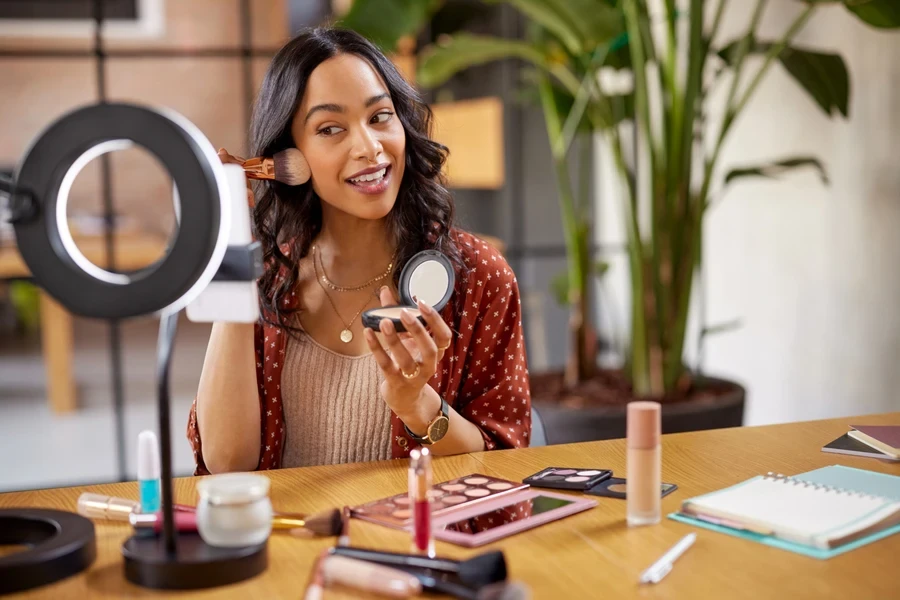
x,y
309,385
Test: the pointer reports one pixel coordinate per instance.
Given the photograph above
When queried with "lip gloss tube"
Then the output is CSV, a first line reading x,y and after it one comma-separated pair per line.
x,y
419,485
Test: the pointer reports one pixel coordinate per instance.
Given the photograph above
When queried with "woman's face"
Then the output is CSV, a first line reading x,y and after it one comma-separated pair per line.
x,y
354,142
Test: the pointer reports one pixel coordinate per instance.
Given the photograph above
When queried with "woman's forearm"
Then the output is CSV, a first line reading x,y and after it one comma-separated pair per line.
x,y
462,436
228,413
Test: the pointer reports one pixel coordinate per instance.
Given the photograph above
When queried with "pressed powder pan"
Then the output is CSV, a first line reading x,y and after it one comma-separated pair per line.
x,y
429,277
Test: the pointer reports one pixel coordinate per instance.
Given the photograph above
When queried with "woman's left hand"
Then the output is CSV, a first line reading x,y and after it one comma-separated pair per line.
x,y
410,361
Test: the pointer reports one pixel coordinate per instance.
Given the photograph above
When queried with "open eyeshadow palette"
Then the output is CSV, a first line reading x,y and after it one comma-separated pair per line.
x,y
446,498
567,478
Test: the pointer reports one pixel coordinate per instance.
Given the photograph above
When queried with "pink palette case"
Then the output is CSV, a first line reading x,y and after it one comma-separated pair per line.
x,y
505,516
446,498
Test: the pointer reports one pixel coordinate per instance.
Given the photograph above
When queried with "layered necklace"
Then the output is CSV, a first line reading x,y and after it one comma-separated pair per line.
x,y
346,334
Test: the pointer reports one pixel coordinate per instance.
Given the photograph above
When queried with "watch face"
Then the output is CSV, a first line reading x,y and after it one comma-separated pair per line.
x,y
438,429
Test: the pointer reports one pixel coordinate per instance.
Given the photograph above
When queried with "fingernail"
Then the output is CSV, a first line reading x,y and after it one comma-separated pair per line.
x,y
387,326
381,289
406,317
425,308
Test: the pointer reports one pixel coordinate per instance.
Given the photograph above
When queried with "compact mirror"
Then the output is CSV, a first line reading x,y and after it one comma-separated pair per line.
x,y
429,277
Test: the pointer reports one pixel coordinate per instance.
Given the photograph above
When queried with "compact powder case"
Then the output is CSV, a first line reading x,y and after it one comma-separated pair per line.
x,y
428,276
568,478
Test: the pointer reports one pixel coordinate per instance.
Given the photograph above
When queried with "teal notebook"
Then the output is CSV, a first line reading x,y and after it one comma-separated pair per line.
x,y
821,514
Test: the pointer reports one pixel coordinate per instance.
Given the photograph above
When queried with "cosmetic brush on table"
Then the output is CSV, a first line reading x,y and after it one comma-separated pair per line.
x,y
326,523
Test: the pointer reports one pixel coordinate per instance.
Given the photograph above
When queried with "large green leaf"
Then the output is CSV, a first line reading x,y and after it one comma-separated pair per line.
x,y
878,13
384,22
580,25
824,76
776,168
439,63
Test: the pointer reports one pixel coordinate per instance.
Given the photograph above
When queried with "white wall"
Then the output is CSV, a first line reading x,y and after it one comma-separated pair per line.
x,y
813,272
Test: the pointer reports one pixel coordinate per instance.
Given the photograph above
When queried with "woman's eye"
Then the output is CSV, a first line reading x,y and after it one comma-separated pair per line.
x,y
382,117
329,131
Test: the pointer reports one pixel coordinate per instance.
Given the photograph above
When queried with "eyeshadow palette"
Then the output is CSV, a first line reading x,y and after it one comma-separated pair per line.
x,y
615,487
446,498
567,478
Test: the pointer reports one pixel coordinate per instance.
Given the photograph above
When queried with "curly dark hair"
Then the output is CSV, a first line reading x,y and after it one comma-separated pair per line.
x,y
423,214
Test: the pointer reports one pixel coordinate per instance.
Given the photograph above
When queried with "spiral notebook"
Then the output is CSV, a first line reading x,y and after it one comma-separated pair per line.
x,y
794,514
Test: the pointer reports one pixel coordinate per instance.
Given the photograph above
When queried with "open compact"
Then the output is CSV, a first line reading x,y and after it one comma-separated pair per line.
x,y
429,277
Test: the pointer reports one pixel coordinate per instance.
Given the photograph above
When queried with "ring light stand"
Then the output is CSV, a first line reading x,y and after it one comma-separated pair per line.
x,y
64,543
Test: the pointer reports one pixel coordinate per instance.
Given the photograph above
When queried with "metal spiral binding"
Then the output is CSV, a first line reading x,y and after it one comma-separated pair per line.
x,y
788,480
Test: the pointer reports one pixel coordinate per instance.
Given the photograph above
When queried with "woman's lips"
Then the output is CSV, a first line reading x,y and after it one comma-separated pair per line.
x,y
373,187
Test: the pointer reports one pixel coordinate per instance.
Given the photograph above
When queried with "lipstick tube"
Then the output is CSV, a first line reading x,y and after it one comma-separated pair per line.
x,y
111,508
419,485
184,521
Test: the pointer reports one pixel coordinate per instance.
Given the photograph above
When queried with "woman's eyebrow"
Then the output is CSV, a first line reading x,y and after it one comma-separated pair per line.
x,y
338,108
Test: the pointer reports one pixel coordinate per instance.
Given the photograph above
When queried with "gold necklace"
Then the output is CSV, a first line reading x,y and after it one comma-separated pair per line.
x,y
338,288
346,334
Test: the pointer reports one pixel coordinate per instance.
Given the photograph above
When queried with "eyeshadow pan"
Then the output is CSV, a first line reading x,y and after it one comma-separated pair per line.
x,y
564,471
499,486
477,493
476,480
402,501
435,494
576,479
451,500
589,473
454,487
554,477
401,514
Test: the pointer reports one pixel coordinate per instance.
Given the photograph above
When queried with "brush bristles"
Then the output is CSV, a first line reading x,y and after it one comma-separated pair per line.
x,y
291,167
503,590
327,523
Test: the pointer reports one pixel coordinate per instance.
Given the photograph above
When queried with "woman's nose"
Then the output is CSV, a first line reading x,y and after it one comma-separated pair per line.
x,y
366,145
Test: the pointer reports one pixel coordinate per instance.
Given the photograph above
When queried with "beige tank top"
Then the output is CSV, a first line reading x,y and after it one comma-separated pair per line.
x,y
333,409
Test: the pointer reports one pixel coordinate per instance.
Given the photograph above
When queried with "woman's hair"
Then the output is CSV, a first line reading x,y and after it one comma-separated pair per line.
x,y
422,216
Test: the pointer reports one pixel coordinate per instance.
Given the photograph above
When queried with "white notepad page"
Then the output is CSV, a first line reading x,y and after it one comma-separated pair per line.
x,y
795,510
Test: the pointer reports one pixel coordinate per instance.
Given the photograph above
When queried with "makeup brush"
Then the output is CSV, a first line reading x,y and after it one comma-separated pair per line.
x,y
477,572
325,523
315,587
288,167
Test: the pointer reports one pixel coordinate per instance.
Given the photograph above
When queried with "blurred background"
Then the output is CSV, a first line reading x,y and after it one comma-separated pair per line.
x,y
793,307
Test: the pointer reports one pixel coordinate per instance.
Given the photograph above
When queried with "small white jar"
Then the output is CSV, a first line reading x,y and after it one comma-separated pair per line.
x,y
234,510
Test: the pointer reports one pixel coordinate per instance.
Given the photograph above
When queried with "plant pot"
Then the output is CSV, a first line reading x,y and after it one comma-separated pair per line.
x,y
700,410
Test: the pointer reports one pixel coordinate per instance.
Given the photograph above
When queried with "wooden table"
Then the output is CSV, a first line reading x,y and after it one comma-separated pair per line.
x,y
589,555
134,250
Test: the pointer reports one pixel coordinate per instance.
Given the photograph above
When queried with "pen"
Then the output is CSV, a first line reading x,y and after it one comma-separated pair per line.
x,y
661,568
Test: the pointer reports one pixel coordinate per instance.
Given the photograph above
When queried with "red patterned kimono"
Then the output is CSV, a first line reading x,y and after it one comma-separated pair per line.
x,y
483,374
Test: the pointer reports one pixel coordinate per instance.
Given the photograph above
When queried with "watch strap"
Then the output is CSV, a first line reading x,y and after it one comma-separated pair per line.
x,y
426,439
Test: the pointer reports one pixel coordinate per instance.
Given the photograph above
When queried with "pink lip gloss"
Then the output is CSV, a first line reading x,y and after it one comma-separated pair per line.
x,y
419,485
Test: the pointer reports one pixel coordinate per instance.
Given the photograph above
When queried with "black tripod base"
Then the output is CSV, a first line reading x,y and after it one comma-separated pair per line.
x,y
196,564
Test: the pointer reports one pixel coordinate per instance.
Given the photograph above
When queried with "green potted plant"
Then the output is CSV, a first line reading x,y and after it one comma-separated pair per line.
x,y
571,48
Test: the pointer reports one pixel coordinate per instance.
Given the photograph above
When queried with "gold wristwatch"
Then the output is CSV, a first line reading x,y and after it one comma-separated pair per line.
x,y
436,429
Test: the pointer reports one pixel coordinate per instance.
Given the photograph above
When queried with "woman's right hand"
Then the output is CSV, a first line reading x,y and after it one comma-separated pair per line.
x,y
227,158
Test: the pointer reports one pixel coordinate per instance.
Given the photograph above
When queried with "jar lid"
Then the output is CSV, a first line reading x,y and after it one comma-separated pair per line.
x,y
233,488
